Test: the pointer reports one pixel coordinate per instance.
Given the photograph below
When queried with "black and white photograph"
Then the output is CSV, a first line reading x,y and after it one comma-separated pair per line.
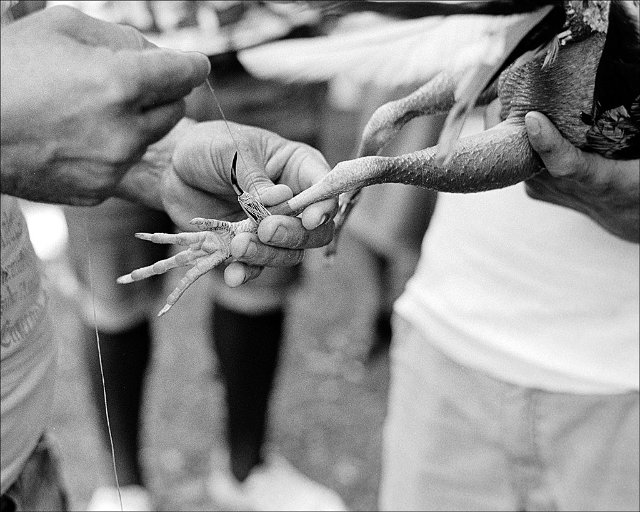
x,y
320,255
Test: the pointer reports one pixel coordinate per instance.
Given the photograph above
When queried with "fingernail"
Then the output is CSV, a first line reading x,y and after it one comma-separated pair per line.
x,y
251,251
280,235
324,219
533,124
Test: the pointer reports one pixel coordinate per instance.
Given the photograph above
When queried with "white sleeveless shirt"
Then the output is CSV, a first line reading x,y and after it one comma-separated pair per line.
x,y
529,292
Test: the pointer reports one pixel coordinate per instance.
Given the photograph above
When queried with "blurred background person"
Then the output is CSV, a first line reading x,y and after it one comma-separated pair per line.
x,y
246,325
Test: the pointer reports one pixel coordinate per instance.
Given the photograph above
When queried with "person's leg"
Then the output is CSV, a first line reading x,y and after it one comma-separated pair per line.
x,y
457,439
125,356
247,346
121,318
247,331
387,228
390,220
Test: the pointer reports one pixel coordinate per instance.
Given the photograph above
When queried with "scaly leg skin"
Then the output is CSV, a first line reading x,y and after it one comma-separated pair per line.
x,y
205,251
435,97
495,158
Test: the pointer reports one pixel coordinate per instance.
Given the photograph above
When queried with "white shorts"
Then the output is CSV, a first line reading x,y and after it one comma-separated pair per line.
x,y
457,439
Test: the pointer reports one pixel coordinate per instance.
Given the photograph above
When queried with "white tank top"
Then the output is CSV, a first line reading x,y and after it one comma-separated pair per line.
x,y
532,293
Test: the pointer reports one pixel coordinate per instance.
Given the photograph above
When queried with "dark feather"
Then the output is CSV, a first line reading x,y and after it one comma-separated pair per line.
x,y
615,116
417,9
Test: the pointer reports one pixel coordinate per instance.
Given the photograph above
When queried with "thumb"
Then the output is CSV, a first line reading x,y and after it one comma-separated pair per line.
x,y
560,157
259,184
271,194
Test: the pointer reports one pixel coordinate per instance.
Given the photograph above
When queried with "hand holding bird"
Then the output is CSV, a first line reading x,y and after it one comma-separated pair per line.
x,y
606,190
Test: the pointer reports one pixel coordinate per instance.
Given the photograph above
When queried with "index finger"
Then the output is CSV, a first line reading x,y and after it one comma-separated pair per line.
x,y
310,167
163,75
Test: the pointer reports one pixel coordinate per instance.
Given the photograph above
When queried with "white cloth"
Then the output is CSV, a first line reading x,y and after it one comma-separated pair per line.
x,y
457,439
28,354
532,293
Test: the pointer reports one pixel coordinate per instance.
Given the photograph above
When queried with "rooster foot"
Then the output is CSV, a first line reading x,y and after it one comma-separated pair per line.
x,y
205,250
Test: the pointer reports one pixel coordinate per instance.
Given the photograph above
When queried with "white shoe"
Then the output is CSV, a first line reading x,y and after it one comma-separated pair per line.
x,y
134,498
275,486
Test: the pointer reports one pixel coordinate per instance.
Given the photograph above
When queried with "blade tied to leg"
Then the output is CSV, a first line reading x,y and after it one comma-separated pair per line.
x,y
251,206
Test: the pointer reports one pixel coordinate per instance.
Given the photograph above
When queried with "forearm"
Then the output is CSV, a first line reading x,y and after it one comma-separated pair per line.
x,y
610,196
606,190
143,182
16,164
30,172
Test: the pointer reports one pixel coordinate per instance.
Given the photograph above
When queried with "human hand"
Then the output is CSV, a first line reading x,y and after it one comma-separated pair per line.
x,y
81,101
606,190
199,185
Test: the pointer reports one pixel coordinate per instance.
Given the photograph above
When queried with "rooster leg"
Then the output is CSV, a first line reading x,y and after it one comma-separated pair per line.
x,y
435,97
495,158
223,226
201,267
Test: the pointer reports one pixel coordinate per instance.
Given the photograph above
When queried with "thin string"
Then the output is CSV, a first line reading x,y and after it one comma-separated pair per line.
x,y
95,320
226,122
6,17
104,388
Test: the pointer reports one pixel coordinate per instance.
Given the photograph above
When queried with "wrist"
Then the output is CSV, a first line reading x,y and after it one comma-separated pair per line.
x,y
20,171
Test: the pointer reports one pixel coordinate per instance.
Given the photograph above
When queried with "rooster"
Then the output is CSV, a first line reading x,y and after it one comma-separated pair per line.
x,y
576,62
